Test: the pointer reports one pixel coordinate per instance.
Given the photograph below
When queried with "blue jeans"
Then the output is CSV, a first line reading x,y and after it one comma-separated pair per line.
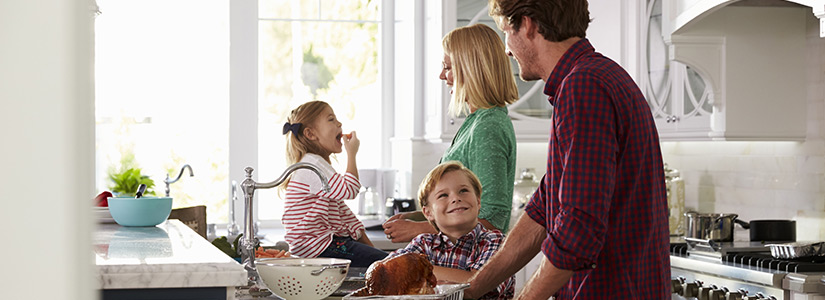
x,y
360,255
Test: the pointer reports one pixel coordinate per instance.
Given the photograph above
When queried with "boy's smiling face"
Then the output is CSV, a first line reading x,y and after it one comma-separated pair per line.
x,y
453,204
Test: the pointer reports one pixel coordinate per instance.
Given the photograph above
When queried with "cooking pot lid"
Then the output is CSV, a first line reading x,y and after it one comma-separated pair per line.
x,y
710,215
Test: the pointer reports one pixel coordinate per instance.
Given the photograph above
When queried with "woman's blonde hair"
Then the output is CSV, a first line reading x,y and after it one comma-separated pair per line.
x,y
297,144
482,75
431,180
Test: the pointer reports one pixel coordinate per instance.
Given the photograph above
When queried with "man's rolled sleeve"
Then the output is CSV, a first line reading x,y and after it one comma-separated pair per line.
x,y
573,249
561,258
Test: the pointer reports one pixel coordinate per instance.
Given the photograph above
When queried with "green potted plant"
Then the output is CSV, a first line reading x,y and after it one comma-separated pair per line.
x,y
127,182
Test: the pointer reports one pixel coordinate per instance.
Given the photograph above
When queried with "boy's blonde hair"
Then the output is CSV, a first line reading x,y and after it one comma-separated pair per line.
x,y
298,145
431,180
483,76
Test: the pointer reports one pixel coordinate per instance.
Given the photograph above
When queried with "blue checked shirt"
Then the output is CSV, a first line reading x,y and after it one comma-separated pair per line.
x,y
470,252
602,200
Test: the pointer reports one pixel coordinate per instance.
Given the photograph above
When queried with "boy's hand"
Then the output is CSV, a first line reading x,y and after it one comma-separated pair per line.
x,y
351,142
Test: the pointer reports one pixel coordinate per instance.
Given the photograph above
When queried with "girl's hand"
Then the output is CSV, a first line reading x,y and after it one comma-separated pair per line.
x,y
351,142
364,239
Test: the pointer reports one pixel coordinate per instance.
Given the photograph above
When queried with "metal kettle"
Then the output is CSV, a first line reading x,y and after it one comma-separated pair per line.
x,y
675,186
523,189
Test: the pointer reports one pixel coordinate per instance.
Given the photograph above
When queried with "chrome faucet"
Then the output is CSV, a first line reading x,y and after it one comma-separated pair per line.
x,y
168,182
249,239
232,229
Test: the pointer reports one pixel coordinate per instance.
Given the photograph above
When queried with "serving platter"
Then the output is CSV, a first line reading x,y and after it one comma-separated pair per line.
x,y
442,292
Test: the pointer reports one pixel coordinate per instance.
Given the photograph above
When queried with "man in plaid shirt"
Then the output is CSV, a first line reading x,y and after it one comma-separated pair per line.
x,y
600,216
450,197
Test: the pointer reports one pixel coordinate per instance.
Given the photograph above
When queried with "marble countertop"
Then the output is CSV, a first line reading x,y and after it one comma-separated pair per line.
x,y
169,255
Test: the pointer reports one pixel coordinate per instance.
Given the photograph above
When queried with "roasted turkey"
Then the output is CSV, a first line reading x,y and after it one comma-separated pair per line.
x,y
406,274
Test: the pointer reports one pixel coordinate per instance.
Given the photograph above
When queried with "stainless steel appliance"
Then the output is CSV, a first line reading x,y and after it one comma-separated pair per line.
x,y
379,184
742,270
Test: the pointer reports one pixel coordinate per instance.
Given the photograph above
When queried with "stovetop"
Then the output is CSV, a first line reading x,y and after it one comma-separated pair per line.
x,y
751,255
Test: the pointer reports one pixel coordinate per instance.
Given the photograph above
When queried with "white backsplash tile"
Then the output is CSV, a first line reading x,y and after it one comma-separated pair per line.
x,y
763,180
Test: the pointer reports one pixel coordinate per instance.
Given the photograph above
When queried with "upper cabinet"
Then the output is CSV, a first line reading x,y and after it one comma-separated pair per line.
x,y
531,113
726,70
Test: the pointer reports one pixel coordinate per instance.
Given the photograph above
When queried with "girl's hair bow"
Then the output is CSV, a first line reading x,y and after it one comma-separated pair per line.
x,y
295,128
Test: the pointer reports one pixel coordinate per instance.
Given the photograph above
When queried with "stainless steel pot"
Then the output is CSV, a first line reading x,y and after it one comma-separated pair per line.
x,y
711,227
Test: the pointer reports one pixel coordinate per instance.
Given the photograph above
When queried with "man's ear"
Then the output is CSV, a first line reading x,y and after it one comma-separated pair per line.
x,y
529,27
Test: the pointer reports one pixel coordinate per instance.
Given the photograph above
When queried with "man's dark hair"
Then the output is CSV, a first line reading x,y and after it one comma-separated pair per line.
x,y
557,20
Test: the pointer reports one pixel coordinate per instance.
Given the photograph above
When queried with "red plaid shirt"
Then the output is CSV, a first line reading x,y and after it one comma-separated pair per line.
x,y
603,198
470,252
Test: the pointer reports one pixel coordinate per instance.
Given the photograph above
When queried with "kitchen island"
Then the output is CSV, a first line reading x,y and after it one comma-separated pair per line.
x,y
167,261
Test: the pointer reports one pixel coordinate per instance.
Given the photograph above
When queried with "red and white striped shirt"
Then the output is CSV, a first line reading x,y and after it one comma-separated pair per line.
x,y
311,216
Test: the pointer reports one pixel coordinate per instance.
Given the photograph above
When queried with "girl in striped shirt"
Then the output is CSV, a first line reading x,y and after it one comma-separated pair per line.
x,y
318,223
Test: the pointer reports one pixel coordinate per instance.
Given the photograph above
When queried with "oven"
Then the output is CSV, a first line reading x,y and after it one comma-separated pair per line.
x,y
742,271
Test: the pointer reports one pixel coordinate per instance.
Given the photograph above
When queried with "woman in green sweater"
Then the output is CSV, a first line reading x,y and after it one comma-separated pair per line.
x,y
477,68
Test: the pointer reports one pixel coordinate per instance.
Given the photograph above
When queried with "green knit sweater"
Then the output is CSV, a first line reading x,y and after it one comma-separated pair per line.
x,y
486,144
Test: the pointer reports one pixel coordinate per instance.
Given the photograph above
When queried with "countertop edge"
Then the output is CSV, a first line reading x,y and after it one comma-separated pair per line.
x,y
172,280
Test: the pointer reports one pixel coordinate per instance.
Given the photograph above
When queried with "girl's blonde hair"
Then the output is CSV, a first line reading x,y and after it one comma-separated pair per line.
x,y
297,144
483,77
431,180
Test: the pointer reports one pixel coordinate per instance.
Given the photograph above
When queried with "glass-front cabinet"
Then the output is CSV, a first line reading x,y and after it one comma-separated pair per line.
x,y
680,99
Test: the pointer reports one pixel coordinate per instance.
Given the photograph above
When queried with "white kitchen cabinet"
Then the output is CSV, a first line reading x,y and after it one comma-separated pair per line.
x,y
715,71
531,114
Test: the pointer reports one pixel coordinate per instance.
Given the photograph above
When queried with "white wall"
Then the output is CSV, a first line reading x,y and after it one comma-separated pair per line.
x,y
761,180
47,157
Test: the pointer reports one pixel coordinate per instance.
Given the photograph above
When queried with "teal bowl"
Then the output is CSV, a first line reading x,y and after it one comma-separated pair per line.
x,y
140,212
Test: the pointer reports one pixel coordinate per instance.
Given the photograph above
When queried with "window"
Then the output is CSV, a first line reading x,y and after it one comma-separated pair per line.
x,y
316,50
161,89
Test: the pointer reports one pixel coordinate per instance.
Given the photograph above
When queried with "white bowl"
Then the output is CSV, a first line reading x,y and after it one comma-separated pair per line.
x,y
292,279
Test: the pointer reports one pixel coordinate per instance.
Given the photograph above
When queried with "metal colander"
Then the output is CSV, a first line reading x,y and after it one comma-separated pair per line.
x,y
302,278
